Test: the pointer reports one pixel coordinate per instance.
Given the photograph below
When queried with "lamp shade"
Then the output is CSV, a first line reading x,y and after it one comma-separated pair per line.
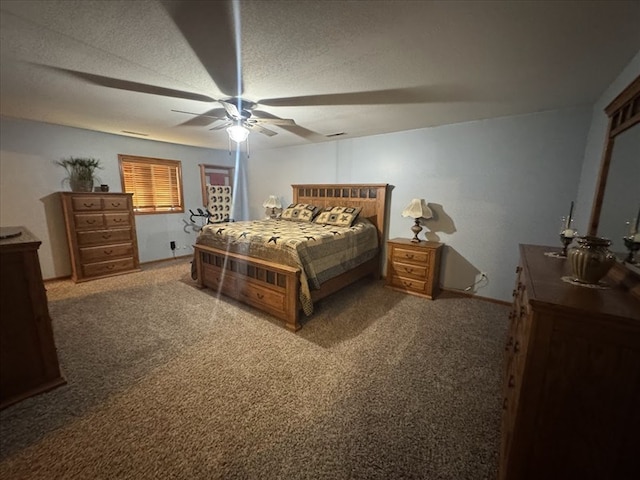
x,y
417,209
238,133
272,202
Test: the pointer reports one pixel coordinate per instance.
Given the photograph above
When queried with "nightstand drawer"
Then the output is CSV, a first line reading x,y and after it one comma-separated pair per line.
x,y
408,283
408,270
411,256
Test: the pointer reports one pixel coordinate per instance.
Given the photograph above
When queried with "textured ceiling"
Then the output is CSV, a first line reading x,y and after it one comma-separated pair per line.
x,y
358,67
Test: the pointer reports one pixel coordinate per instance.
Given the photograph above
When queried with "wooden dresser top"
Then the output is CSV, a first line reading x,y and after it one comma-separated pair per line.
x,y
546,288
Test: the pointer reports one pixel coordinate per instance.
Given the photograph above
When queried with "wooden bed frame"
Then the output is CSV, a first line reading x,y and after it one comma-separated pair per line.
x,y
275,288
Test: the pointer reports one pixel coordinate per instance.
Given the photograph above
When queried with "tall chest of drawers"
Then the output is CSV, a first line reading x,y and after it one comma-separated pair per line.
x,y
101,232
571,389
414,267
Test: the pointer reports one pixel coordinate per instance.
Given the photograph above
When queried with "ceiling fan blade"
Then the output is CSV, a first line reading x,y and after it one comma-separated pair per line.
x,y
231,109
203,119
217,113
132,86
208,27
222,126
272,121
290,127
260,129
424,94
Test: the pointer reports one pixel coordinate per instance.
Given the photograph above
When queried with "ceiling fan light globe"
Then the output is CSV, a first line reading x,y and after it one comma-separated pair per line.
x,y
238,133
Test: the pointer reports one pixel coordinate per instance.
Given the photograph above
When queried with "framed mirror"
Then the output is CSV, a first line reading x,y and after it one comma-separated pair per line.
x,y
617,196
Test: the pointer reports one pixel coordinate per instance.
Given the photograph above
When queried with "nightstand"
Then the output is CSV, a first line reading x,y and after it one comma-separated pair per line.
x,y
414,267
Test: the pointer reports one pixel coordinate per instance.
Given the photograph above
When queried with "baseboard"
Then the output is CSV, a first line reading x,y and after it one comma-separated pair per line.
x,y
151,262
461,293
181,257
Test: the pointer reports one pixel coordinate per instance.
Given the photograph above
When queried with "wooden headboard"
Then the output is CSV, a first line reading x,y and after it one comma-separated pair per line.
x,y
371,197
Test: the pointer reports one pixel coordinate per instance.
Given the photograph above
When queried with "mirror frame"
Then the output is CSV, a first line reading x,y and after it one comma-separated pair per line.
x,y
623,113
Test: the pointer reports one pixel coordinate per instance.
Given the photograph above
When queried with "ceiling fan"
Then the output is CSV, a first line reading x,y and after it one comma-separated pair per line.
x,y
222,63
239,116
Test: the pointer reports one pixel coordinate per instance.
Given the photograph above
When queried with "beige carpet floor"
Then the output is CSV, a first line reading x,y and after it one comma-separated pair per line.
x,y
168,381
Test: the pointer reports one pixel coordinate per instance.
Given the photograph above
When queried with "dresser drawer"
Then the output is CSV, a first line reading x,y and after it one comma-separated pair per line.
x,y
408,283
117,219
106,268
115,203
262,296
412,271
104,237
88,220
106,252
410,256
81,204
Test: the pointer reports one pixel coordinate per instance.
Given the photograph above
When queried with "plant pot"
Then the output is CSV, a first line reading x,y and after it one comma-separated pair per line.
x,y
78,185
591,259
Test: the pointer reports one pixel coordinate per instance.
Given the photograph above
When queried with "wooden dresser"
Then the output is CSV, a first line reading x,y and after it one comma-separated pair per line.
x,y
571,405
101,232
414,267
28,358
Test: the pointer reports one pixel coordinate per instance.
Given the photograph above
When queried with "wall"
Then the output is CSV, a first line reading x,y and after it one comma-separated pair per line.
x,y
595,142
29,181
493,184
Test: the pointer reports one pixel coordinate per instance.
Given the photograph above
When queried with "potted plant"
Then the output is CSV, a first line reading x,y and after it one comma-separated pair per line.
x,y
81,172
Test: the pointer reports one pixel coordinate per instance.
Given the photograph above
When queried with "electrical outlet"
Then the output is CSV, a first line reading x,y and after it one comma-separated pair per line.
x,y
172,245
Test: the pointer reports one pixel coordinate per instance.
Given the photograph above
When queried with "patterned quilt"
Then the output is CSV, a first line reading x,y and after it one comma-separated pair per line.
x,y
320,251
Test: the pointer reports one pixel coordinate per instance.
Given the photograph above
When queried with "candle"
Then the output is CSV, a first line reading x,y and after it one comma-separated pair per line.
x,y
635,230
568,224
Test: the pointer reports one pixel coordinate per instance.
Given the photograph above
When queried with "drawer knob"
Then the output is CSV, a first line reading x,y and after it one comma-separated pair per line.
x,y
512,381
106,236
409,255
407,284
514,292
260,296
88,205
91,222
110,267
108,252
516,347
409,270
518,269
118,220
116,204
522,311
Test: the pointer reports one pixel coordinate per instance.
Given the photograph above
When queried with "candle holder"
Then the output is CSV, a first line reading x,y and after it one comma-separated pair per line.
x,y
633,245
567,234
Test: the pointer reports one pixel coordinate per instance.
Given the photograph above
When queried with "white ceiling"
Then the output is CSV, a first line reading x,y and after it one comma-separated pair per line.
x,y
440,62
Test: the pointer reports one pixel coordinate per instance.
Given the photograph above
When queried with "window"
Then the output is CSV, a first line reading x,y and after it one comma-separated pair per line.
x,y
156,184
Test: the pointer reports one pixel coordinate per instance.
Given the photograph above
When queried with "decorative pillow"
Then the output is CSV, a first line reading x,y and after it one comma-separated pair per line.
x,y
339,216
300,212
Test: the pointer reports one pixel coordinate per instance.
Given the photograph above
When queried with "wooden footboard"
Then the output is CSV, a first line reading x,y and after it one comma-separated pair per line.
x,y
268,286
